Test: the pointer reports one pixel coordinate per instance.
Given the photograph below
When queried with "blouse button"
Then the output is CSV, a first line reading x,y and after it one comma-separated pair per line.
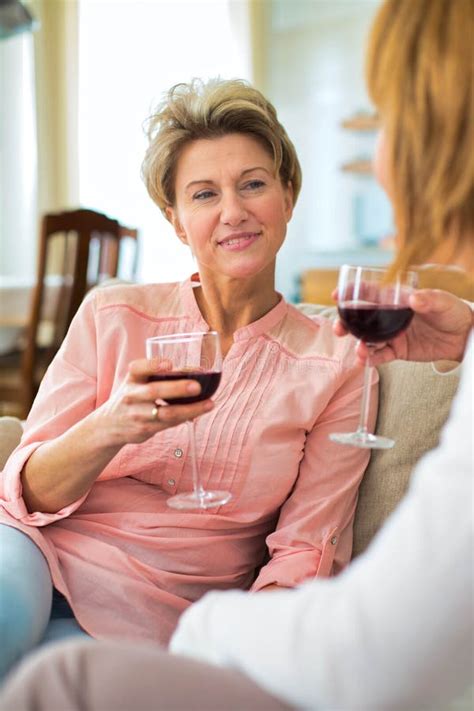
x,y
171,482
178,453
333,540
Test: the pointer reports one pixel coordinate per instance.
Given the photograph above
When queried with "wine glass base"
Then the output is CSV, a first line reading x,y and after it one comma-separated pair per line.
x,y
364,440
204,500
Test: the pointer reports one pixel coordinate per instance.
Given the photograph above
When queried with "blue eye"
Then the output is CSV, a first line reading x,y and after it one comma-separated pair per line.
x,y
203,195
254,185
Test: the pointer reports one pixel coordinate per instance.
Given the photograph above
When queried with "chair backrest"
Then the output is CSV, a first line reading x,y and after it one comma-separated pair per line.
x,y
78,249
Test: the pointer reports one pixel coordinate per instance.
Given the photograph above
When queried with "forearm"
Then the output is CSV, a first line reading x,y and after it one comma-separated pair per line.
x,y
62,470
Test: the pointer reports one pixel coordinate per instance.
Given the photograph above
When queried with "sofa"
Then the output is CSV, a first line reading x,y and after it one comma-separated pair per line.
x,y
414,403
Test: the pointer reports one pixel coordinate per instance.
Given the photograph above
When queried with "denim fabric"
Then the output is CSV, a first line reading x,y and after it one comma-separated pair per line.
x,y
30,614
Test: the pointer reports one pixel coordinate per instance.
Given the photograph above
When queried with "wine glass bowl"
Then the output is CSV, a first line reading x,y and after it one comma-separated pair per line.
x,y
373,305
209,382
190,356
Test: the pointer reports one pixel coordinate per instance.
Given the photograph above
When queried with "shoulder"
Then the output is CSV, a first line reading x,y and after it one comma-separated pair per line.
x,y
310,335
153,300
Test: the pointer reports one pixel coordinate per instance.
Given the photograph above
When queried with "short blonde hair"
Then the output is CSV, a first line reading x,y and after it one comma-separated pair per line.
x,y
420,74
210,110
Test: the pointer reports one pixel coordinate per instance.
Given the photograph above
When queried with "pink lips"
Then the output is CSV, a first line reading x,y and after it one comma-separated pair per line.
x,y
238,241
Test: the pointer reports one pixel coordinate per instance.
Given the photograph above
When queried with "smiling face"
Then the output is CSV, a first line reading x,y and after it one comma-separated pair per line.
x,y
231,208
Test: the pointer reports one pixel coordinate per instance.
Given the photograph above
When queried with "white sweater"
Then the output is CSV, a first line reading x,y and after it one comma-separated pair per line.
x,y
395,630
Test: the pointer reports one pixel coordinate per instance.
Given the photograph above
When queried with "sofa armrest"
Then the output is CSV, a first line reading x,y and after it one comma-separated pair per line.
x,y
11,430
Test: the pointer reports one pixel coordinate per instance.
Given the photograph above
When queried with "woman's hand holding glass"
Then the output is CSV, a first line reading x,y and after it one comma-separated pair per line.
x,y
439,331
132,416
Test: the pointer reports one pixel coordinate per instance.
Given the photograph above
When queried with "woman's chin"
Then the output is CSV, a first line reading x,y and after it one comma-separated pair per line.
x,y
255,267
246,271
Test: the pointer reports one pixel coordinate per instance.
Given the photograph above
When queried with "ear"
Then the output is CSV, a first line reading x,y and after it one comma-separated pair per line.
x,y
288,201
172,217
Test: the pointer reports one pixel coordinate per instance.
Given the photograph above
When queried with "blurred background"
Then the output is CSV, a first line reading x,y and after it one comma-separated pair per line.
x,y
77,84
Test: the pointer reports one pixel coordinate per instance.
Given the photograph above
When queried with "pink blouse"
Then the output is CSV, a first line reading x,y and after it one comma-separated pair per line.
x,y
126,562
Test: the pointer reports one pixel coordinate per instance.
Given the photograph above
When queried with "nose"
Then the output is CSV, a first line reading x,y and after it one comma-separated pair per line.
x,y
233,210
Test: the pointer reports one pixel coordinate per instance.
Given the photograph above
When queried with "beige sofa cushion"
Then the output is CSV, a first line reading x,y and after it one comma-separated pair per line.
x,y
414,404
10,435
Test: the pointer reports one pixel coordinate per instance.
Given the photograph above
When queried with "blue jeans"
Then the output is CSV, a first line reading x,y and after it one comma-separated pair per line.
x,y
31,613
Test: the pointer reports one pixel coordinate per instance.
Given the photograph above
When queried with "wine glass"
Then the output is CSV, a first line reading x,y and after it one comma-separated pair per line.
x,y
374,306
192,356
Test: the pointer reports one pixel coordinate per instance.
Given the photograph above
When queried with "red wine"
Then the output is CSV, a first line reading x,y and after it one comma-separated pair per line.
x,y
209,382
373,323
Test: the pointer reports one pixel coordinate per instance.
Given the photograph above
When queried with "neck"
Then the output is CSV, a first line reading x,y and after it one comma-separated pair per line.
x,y
229,304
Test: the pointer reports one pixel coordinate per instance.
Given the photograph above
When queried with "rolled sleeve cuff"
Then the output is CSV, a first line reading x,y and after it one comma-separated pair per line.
x,y
291,569
288,570
12,501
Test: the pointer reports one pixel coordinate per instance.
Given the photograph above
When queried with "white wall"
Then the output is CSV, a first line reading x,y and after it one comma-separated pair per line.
x,y
316,79
130,53
18,228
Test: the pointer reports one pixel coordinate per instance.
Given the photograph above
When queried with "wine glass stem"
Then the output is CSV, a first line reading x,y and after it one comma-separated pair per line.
x,y
198,490
364,406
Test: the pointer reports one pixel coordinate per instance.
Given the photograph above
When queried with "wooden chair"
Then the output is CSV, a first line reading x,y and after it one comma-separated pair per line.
x,y
78,250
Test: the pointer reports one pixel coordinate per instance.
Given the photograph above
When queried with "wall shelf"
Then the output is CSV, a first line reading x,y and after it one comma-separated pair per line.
x,y
369,122
360,122
361,167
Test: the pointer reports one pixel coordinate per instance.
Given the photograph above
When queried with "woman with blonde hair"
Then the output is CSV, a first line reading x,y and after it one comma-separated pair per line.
x,y
395,630
420,74
84,497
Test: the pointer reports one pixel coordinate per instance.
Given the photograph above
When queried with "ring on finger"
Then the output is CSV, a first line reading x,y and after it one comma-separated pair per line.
x,y
154,412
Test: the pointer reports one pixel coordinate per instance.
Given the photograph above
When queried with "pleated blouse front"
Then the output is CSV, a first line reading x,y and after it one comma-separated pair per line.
x,y
127,563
